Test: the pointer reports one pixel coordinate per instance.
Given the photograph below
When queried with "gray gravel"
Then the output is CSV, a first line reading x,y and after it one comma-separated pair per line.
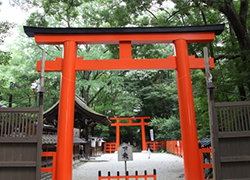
x,y
168,166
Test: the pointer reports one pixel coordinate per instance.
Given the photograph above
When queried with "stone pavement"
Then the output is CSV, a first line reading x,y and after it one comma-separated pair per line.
x,y
168,166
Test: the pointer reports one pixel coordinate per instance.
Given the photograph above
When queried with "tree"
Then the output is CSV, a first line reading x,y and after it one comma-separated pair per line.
x,y
5,56
152,92
166,129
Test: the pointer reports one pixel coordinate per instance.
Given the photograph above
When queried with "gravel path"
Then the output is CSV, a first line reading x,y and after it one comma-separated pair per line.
x,y
168,166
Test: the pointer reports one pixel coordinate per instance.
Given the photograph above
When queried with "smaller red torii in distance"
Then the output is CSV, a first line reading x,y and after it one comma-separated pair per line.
x,y
130,123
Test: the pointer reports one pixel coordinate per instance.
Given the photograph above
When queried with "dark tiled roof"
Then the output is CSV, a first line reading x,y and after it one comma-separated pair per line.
x,y
52,139
205,142
82,108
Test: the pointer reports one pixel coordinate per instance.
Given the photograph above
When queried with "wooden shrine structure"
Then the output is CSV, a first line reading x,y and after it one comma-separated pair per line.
x,y
125,37
117,124
85,119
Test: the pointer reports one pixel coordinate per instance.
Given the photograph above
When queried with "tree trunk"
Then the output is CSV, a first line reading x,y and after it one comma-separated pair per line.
x,y
239,25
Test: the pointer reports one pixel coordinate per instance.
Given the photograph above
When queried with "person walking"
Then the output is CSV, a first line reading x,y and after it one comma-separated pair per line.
x,y
149,150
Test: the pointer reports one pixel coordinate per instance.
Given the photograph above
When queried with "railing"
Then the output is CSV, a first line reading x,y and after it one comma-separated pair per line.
x,y
127,176
205,166
154,145
53,168
174,147
109,147
18,122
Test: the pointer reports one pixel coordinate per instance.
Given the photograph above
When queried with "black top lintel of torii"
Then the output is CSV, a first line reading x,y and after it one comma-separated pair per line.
x,y
31,31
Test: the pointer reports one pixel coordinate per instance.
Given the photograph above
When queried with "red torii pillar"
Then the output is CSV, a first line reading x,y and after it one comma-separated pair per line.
x,y
130,123
180,36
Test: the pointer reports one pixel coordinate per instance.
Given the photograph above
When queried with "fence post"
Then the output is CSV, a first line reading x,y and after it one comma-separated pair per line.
x,y
99,175
213,120
154,170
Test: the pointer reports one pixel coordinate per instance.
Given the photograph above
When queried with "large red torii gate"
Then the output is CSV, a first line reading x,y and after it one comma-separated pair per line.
x,y
117,124
182,63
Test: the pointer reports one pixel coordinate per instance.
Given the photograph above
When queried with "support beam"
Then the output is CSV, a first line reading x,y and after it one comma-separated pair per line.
x,y
187,113
125,64
135,38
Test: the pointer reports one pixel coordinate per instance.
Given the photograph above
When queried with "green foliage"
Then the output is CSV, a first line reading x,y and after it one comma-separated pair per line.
x,y
4,57
5,27
101,130
23,4
166,129
36,19
131,93
156,90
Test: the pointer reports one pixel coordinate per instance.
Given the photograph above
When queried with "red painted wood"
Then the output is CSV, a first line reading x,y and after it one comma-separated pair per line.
x,y
136,38
66,114
125,64
187,113
182,63
130,123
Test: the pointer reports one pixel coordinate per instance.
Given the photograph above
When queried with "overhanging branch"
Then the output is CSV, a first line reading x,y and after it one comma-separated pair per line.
x,y
225,56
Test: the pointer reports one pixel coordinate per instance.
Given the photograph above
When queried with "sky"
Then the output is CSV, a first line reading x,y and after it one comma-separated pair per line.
x,y
18,16
14,15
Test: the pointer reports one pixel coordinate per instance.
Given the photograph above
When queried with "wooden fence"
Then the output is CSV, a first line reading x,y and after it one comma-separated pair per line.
x,y
20,143
230,129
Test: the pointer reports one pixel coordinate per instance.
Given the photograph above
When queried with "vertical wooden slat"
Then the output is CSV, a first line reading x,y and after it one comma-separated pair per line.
x,y
228,119
238,115
19,124
26,125
2,122
5,124
33,126
221,122
235,120
12,125
8,123
245,118
16,121
23,130
30,124
224,119
248,116
242,119
232,119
